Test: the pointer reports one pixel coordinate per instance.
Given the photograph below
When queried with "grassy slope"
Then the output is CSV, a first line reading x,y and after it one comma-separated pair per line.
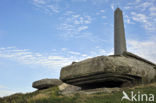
x,y
52,95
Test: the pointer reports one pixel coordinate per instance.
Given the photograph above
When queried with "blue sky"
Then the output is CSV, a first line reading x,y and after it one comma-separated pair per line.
x,y
38,37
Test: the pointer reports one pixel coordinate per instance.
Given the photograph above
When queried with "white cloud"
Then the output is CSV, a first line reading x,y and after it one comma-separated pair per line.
x,y
75,53
47,6
99,12
102,11
54,60
143,6
139,17
53,8
74,25
99,2
31,58
56,6
40,1
127,7
113,7
144,49
1,87
79,19
103,17
5,93
128,19
152,11
79,0
82,28
95,2
143,12
138,1
69,12
147,21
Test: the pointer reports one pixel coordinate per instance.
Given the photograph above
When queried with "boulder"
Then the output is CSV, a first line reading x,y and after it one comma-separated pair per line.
x,y
46,83
109,71
67,88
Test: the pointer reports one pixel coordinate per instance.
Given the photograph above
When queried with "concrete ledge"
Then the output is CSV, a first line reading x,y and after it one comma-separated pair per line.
x,y
138,58
104,80
102,70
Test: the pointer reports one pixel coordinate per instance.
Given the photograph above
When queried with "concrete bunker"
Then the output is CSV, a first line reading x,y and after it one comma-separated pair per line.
x,y
112,84
105,80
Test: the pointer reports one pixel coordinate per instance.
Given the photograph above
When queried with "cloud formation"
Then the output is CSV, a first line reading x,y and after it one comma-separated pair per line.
x,y
54,59
27,57
48,6
4,91
145,49
143,12
74,25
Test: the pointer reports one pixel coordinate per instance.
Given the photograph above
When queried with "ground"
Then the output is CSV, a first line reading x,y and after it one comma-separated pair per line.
x,y
52,95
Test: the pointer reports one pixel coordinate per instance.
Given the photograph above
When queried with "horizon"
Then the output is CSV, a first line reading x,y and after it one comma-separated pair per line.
x,y
38,37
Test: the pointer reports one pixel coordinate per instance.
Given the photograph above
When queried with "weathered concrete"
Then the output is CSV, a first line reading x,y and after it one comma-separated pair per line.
x,y
109,71
119,33
46,83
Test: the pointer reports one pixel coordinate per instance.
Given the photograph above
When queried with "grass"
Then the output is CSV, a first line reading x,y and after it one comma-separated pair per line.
x,y
52,95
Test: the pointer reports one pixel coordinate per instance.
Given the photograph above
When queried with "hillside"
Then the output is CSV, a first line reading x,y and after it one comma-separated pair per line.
x,y
52,95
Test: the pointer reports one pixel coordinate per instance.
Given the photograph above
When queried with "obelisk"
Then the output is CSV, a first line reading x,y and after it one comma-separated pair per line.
x,y
119,33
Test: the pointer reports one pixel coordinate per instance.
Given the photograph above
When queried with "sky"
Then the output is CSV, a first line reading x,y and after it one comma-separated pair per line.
x,y
39,37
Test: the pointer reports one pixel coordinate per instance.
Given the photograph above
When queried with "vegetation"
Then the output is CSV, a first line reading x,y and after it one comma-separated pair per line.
x,y
52,95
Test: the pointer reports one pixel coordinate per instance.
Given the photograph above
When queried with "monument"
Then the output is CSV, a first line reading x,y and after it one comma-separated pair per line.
x,y
119,33
118,70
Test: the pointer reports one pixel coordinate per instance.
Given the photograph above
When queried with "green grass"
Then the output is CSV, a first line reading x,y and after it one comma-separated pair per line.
x,y
52,95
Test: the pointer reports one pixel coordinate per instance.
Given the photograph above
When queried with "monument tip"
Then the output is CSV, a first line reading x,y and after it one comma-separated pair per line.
x,y
117,9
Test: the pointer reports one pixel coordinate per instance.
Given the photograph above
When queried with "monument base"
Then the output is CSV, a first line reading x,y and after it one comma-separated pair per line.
x,y
109,71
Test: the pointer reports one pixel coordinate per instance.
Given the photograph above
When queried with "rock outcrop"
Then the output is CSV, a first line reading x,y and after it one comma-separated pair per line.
x,y
109,71
67,88
46,83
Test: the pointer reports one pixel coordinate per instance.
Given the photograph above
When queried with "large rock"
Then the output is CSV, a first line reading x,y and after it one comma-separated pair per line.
x,y
67,88
46,83
109,71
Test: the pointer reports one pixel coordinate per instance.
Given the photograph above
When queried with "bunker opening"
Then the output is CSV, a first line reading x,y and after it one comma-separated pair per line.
x,y
107,84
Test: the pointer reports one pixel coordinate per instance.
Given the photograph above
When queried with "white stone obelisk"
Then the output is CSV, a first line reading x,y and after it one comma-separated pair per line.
x,y
119,33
